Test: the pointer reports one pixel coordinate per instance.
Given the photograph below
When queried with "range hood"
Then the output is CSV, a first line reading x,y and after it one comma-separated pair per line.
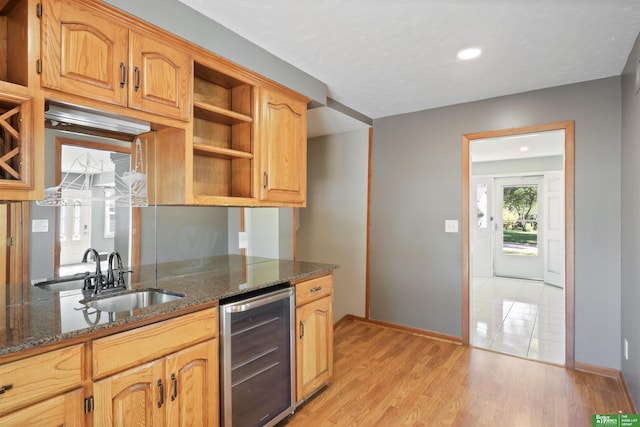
x,y
60,114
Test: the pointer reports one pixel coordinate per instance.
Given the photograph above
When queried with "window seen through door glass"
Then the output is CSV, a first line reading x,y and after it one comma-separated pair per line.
x,y
520,220
481,205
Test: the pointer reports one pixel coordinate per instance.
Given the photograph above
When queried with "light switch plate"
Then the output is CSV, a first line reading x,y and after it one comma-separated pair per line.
x,y
451,226
243,240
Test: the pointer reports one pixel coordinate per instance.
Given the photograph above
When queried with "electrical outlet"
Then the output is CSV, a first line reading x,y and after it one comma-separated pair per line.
x,y
40,226
626,349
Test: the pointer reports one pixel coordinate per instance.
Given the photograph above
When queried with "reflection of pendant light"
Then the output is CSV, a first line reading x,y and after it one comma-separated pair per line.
x,y
88,118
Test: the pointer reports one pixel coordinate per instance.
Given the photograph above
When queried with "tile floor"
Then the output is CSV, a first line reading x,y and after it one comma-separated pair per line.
x,y
520,317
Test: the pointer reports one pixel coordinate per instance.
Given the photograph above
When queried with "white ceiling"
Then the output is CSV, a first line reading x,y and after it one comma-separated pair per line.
x,y
384,57
538,144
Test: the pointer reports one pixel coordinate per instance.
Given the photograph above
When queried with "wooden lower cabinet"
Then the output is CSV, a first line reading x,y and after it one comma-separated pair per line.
x,y
50,381
180,389
63,410
314,343
131,397
193,392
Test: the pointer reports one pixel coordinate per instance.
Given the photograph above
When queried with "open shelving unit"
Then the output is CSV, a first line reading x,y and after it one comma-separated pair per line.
x,y
222,135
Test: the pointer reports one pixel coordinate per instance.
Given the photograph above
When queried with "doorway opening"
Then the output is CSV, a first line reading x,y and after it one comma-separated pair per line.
x,y
517,241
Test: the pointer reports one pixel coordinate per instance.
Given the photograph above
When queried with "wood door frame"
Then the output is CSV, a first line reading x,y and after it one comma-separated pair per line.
x,y
569,179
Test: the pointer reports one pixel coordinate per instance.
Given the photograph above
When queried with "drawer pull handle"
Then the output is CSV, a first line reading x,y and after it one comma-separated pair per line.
x,y
174,382
161,391
316,289
301,329
5,388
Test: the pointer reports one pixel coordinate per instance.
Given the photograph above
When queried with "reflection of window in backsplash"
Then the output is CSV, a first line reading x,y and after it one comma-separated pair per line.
x,y
109,214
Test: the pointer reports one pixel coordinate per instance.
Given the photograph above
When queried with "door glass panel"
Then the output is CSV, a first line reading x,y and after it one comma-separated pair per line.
x,y
520,220
481,205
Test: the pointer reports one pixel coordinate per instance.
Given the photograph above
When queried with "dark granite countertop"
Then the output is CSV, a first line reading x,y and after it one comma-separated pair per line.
x,y
50,316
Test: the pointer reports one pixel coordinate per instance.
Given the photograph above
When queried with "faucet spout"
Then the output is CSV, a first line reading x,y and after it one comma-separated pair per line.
x,y
111,280
97,280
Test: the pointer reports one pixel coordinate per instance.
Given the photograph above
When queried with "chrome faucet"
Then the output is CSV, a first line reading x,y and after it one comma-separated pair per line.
x,y
97,278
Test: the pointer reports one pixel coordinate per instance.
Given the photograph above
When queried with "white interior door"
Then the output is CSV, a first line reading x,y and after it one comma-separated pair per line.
x,y
554,228
518,259
481,218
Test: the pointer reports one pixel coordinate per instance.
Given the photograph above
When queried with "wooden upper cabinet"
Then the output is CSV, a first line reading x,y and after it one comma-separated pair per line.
x,y
17,172
283,130
83,52
160,77
88,53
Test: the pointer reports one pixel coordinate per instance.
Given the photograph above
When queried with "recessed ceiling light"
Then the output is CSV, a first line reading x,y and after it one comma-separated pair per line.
x,y
524,148
470,53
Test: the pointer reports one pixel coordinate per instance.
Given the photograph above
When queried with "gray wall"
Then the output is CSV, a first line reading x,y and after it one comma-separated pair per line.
x,y
416,268
333,226
630,313
184,22
190,232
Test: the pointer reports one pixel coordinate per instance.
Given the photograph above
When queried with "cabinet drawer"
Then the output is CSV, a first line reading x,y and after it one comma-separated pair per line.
x,y
39,377
132,348
313,289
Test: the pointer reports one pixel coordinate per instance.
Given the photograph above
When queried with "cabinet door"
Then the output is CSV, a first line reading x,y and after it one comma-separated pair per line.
x,y
83,52
283,128
64,410
160,75
192,391
133,397
16,144
314,351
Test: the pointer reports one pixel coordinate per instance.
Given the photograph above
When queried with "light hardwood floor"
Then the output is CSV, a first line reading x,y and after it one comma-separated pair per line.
x,y
386,377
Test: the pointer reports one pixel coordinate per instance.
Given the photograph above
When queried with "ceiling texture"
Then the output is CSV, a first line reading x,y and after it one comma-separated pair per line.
x,y
386,57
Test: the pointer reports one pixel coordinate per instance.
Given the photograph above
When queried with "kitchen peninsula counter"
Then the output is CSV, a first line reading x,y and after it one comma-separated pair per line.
x,y
47,317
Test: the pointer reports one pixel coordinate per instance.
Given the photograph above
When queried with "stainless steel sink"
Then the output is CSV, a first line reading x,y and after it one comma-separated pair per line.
x,y
63,283
131,300
58,286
